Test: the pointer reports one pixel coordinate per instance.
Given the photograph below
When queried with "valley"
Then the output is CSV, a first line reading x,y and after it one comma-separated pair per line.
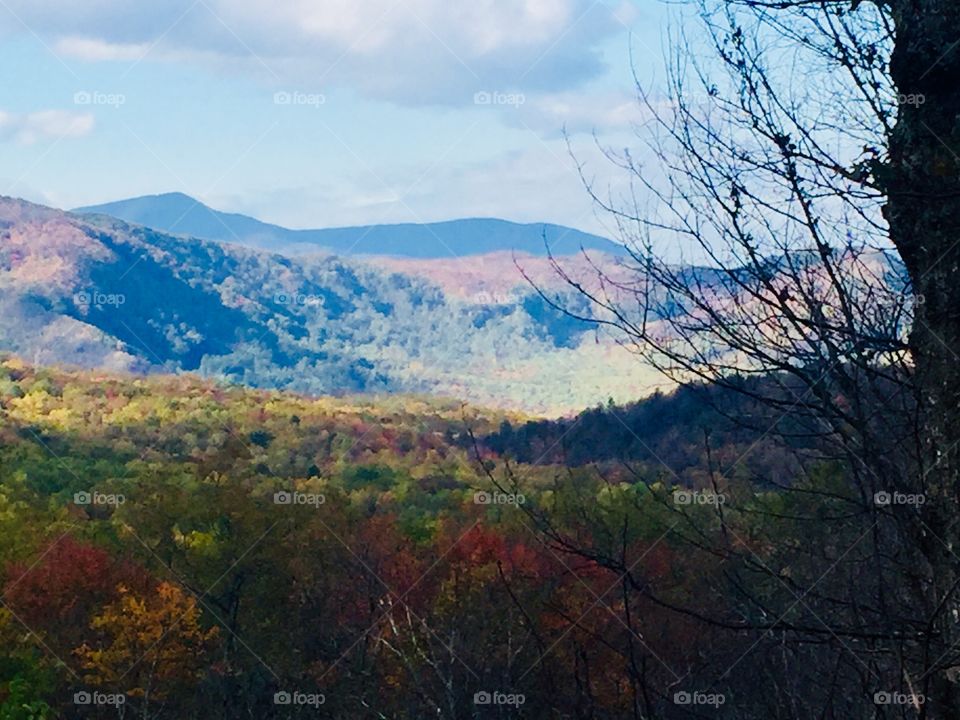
x,y
96,292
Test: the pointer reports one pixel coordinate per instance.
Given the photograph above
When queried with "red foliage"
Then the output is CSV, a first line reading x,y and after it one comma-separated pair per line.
x,y
66,581
393,557
482,545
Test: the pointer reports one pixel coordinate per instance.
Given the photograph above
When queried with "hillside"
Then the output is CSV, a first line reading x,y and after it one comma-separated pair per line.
x,y
150,522
709,425
183,215
96,292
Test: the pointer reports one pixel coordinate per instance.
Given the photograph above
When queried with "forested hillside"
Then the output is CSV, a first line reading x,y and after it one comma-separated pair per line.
x,y
101,293
699,463
176,547
708,424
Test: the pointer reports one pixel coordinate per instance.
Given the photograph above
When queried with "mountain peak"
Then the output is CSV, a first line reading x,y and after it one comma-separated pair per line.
x,y
18,210
162,200
177,198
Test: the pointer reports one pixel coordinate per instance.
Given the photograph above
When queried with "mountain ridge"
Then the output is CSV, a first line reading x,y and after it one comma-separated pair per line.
x,y
466,237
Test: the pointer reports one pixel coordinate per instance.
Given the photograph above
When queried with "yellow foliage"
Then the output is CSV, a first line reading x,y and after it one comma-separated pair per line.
x,y
150,641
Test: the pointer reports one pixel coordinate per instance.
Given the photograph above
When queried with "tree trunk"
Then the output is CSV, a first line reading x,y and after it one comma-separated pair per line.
x,y
922,182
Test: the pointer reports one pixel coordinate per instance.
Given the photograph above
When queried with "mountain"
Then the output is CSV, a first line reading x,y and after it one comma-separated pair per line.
x,y
183,215
96,292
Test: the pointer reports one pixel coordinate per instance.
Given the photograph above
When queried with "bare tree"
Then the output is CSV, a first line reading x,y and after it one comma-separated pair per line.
x,y
807,161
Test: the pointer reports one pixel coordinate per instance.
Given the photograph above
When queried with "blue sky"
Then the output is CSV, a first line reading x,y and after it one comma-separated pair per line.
x,y
313,113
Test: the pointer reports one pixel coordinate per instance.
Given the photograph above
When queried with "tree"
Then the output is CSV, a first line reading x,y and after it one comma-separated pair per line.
x,y
151,645
808,156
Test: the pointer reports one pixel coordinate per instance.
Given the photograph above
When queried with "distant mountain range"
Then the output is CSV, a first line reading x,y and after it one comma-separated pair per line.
x,y
180,214
97,292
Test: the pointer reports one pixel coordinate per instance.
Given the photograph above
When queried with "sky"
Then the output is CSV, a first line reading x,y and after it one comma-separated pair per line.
x,y
321,113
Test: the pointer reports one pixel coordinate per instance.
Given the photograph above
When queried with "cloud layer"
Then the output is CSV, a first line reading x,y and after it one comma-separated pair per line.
x,y
407,51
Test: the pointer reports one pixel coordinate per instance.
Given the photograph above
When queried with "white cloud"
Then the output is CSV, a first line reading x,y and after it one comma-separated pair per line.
x,y
407,51
29,128
93,50
551,114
